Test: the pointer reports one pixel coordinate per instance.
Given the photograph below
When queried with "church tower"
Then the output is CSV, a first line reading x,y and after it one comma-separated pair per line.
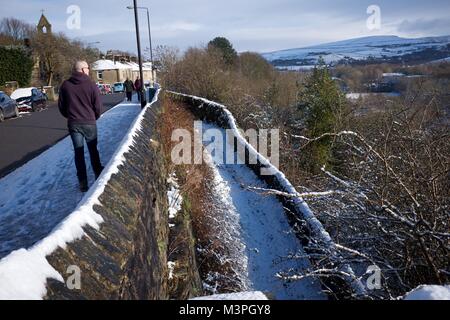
x,y
44,25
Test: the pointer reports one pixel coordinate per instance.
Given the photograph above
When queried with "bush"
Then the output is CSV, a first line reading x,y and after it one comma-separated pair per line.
x,y
16,65
321,102
226,49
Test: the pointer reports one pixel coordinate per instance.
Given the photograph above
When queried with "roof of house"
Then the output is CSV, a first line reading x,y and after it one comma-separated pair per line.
x,y
106,64
135,66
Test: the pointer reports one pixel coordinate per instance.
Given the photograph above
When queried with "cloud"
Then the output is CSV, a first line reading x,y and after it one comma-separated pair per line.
x,y
425,26
256,25
176,28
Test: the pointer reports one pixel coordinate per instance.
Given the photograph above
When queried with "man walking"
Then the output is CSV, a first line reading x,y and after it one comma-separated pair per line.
x,y
129,87
79,102
138,87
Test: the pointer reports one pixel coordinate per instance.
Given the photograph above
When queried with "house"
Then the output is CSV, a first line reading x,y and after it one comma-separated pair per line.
x,y
117,55
109,71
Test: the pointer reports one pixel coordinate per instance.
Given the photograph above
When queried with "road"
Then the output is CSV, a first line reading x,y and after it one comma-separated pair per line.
x,y
23,138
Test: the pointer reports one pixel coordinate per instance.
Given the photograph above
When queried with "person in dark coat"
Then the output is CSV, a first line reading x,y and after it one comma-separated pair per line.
x,y
138,87
79,102
129,87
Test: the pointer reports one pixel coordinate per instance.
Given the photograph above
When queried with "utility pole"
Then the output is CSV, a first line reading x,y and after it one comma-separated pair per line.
x,y
138,40
149,40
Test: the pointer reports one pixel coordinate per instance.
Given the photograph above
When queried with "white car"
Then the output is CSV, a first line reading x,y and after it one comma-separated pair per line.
x,y
29,99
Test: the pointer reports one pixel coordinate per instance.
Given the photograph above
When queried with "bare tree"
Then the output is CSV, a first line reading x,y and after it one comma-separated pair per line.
x,y
57,54
389,198
15,29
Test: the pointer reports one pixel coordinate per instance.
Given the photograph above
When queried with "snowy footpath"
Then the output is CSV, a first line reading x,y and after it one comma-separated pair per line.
x,y
36,197
256,230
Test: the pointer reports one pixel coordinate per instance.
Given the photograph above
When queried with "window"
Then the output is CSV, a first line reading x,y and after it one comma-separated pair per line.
x,y
100,75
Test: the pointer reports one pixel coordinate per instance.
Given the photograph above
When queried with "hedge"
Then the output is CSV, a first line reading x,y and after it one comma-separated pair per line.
x,y
15,65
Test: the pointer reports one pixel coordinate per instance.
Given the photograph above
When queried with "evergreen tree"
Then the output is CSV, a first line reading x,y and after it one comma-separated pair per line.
x,y
16,65
321,102
226,48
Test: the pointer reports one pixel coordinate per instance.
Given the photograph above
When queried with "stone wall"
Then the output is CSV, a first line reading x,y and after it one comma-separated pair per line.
x,y
127,257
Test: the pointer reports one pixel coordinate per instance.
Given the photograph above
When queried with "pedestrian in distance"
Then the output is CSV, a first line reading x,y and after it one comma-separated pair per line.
x,y
79,102
138,87
129,87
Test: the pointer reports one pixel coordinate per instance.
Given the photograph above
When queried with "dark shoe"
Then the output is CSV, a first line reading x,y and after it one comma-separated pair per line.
x,y
83,185
97,174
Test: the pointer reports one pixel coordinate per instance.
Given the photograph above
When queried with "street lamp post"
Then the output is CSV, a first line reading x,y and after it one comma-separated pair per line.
x,y
95,49
91,43
138,40
149,36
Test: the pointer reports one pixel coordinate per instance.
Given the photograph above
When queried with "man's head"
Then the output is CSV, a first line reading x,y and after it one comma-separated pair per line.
x,y
81,66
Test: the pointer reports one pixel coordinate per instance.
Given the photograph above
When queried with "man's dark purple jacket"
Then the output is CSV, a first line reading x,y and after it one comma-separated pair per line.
x,y
79,100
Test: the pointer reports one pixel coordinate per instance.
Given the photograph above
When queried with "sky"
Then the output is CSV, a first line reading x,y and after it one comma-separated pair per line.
x,y
251,25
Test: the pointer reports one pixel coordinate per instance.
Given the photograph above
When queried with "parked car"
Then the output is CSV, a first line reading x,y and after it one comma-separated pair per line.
x,y
108,88
100,88
104,88
118,87
30,99
8,107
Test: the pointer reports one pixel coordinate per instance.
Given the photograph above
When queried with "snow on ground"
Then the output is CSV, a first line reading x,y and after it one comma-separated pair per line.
x,y
171,266
23,272
174,196
360,48
316,227
393,74
429,292
257,233
317,230
358,95
249,295
296,68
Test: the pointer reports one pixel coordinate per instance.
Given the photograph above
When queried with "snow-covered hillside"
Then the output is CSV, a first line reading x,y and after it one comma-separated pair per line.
x,y
359,49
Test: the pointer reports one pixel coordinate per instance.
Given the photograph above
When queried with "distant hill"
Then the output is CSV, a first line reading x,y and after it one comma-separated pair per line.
x,y
364,50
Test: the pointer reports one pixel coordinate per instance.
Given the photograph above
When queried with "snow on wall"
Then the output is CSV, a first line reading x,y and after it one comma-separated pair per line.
x,y
24,272
318,232
248,295
429,292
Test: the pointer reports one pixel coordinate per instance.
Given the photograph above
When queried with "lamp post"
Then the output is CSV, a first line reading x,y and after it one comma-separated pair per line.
x,y
91,43
149,35
94,49
138,40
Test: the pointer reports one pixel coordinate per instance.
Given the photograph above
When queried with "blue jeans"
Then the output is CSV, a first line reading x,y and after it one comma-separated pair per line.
x,y
79,133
